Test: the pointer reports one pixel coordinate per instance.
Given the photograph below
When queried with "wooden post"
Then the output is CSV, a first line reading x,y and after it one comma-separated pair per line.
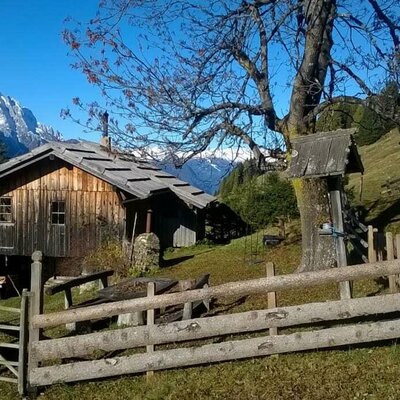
x,y
270,270
148,221
37,285
380,246
67,304
337,219
35,308
371,245
398,246
23,343
390,257
151,291
187,307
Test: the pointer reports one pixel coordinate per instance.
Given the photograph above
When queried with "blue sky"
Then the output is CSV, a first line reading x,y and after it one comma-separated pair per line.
x,y
35,68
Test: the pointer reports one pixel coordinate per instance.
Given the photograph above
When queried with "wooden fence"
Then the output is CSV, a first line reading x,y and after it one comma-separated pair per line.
x,y
17,366
151,338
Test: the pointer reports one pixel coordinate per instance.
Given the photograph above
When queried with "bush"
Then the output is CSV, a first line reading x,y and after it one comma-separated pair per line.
x,y
110,255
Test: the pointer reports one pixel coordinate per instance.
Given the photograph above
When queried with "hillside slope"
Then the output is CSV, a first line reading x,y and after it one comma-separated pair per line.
x,y
381,162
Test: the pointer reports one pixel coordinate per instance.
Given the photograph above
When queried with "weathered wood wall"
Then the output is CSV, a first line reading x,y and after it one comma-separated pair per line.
x,y
92,211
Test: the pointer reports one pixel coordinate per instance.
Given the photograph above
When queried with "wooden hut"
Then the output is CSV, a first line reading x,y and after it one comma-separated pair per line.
x,y
65,199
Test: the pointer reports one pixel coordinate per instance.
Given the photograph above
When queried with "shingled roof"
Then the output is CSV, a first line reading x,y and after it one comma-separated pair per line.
x,y
324,154
140,178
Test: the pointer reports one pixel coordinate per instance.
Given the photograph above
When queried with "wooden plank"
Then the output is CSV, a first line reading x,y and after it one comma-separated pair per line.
x,y
252,286
390,256
10,309
78,281
380,247
151,291
371,245
319,157
9,345
211,353
299,162
9,380
201,328
337,219
9,328
35,308
270,272
398,245
23,343
187,307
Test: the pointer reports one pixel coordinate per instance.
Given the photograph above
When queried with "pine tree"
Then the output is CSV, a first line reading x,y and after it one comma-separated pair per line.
x,y
3,152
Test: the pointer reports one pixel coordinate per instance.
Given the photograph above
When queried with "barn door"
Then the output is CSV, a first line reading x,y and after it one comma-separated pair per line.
x,y
7,224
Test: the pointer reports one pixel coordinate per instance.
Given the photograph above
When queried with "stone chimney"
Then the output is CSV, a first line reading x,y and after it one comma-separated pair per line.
x,y
105,140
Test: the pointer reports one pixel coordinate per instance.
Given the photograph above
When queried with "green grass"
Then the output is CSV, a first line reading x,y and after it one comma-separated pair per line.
x,y
381,162
349,373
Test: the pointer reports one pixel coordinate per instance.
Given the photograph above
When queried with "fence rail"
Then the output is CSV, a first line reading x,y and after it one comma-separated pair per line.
x,y
254,286
269,320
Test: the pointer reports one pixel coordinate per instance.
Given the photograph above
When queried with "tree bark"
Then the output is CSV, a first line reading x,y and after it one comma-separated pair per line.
x,y
318,251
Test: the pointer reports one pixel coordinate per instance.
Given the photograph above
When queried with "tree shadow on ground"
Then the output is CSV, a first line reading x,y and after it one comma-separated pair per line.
x,y
174,261
390,214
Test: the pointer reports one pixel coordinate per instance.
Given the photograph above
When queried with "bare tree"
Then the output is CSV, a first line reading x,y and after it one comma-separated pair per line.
x,y
188,75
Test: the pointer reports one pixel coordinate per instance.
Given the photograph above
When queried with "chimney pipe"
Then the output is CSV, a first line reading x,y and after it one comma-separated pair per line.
x,y
104,120
105,139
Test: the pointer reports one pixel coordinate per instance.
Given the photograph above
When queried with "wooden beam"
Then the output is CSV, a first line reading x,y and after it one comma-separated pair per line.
x,y
371,244
270,271
211,353
80,280
151,291
253,286
337,219
200,328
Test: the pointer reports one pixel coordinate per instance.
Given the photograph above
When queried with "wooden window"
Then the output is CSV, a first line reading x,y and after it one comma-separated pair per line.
x,y
58,212
5,210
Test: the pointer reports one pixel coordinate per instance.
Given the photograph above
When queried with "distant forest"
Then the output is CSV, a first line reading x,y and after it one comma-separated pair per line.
x,y
369,123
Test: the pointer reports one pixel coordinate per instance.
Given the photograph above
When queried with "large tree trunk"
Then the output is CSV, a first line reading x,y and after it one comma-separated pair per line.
x,y
312,198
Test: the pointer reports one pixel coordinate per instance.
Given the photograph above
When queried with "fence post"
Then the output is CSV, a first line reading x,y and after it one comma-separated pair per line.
x,y
187,307
271,296
23,343
37,286
35,308
151,291
371,245
390,257
398,246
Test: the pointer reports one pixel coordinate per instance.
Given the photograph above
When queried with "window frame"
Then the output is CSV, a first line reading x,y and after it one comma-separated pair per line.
x,y
56,214
6,210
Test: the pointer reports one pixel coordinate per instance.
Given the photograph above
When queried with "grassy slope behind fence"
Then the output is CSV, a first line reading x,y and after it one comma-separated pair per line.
x,y
212,326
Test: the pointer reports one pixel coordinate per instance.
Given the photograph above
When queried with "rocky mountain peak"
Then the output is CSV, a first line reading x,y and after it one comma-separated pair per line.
x,y
19,128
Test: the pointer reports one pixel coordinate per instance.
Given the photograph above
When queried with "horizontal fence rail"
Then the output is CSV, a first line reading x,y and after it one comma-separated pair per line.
x,y
254,286
201,328
211,353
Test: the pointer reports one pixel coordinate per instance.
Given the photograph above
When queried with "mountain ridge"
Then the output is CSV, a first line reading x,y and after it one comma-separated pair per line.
x,y
20,130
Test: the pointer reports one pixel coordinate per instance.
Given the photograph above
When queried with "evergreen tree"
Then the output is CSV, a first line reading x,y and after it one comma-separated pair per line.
x,y
3,152
259,200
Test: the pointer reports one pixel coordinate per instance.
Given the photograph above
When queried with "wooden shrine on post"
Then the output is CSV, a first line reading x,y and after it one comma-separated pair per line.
x,y
329,155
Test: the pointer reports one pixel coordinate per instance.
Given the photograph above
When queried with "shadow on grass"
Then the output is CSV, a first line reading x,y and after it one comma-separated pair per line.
x,y
171,262
390,214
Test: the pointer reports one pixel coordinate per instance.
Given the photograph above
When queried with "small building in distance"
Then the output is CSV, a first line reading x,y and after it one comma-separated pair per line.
x,y
65,199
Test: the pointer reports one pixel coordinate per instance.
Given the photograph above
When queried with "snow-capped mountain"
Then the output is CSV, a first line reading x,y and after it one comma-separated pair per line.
x,y
19,128
204,173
